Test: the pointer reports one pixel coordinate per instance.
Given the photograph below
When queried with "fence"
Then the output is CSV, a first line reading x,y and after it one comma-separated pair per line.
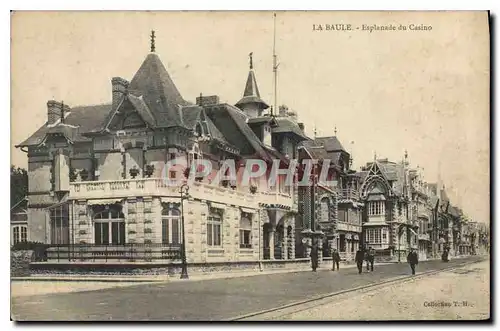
x,y
112,253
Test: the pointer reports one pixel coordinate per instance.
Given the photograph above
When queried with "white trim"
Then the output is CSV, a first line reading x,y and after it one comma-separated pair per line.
x,y
247,210
103,202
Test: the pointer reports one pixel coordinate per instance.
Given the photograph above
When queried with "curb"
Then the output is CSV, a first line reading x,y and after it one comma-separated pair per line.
x,y
195,277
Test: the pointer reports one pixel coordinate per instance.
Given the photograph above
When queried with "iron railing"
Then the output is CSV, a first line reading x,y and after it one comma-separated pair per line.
x,y
112,253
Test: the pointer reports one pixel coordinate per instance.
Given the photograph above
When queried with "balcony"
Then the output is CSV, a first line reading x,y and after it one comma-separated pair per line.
x,y
109,189
348,227
348,194
424,236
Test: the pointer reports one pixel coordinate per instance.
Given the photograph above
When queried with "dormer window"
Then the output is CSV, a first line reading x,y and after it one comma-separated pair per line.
x,y
266,139
199,130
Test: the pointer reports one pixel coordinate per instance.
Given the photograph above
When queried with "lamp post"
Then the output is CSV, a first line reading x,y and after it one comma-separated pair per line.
x,y
184,191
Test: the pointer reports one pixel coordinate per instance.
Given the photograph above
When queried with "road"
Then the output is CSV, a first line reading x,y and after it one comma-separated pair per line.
x,y
207,300
459,294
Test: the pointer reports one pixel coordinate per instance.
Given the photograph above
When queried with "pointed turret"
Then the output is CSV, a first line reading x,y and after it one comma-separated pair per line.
x,y
251,103
154,84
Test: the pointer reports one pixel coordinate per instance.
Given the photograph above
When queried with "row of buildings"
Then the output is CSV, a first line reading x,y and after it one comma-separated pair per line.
x,y
97,190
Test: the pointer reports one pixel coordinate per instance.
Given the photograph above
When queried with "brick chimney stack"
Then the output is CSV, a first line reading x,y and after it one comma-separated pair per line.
x,y
55,111
119,88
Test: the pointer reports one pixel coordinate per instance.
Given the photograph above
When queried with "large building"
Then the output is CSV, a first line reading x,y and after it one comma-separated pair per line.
x,y
97,175
332,205
387,224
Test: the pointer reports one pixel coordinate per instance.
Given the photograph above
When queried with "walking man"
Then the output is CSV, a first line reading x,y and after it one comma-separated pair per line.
x,y
412,260
359,258
314,256
335,259
370,259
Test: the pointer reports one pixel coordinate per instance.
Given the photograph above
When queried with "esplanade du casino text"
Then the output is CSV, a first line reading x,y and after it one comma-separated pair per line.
x,y
346,27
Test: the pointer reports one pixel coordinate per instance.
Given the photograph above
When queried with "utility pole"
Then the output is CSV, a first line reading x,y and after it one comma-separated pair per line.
x,y
275,68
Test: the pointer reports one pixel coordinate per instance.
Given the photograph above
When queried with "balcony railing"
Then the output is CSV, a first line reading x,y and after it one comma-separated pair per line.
x,y
350,227
424,236
159,187
112,253
350,194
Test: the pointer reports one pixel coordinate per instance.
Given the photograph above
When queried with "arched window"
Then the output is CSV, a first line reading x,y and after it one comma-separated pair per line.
x,y
324,210
246,230
109,225
170,226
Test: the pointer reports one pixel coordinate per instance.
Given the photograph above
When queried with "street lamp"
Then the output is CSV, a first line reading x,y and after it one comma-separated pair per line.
x,y
184,191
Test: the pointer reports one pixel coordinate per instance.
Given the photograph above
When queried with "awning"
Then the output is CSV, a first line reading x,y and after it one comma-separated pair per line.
x,y
103,201
217,205
248,210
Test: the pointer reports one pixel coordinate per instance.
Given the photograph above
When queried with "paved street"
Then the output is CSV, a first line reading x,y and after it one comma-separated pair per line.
x,y
460,294
216,299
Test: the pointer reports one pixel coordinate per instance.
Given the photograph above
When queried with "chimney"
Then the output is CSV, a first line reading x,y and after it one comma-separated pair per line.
x,y
56,110
209,100
301,126
119,87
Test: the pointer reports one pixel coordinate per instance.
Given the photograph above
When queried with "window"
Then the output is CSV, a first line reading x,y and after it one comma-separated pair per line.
x,y
59,225
376,208
342,243
324,216
16,237
24,234
373,236
245,231
170,226
214,228
109,226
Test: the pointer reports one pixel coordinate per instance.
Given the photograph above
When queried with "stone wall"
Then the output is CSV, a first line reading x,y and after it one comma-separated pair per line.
x,y
172,269
20,263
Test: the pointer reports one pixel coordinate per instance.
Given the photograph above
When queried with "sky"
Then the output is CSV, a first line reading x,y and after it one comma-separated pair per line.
x,y
385,92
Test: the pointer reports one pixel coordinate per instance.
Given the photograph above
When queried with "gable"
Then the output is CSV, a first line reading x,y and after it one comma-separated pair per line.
x,y
127,117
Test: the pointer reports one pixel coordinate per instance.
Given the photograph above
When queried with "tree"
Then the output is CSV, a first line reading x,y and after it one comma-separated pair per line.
x,y
18,184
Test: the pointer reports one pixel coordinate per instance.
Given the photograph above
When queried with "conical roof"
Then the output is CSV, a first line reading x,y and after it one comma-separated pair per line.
x,y
251,93
153,82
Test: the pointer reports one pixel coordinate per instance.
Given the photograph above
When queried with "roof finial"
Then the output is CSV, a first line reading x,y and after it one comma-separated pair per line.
x,y
335,130
406,155
201,99
375,156
153,41
251,60
62,111
315,132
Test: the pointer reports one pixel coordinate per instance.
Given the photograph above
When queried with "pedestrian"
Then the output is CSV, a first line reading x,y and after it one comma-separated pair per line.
x,y
359,258
444,257
370,259
314,256
367,259
412,260
335,259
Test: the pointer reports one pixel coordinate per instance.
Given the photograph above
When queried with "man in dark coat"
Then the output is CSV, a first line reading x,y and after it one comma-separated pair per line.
x,y
412,260
359,258
314,256
370,259
335,259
